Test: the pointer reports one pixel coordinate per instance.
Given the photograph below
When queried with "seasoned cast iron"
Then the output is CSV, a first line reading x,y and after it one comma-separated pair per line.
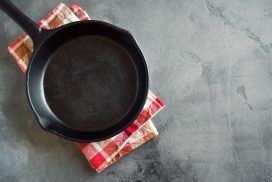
x,y
86,81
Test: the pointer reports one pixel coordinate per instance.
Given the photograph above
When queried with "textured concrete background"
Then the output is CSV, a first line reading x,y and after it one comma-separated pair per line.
x,y
209,60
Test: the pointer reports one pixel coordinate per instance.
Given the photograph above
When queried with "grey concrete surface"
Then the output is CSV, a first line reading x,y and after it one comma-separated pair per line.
x,y
209,60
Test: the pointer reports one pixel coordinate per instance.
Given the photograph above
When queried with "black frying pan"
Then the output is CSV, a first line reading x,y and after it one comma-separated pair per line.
x,y
86,81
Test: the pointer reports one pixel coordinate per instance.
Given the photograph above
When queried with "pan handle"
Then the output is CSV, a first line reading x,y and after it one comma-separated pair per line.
x,y
30,27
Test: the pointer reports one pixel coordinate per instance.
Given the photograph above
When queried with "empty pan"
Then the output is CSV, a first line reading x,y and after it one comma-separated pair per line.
x,y
86,81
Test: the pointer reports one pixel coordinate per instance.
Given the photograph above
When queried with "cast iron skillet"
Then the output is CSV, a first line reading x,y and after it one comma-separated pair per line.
x,y
86,81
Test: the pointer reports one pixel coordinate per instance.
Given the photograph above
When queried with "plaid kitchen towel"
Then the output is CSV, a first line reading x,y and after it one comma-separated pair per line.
x,y
99,154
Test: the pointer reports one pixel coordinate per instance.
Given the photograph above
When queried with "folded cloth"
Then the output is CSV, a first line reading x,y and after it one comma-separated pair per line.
x,y
99,154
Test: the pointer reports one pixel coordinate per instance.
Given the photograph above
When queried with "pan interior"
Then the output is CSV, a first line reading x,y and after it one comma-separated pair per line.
x,y
90,83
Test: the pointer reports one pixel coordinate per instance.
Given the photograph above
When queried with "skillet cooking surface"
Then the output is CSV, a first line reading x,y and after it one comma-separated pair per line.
x,y
90,83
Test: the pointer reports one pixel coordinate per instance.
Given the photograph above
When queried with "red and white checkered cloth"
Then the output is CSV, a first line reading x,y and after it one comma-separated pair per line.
x,y
104,153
